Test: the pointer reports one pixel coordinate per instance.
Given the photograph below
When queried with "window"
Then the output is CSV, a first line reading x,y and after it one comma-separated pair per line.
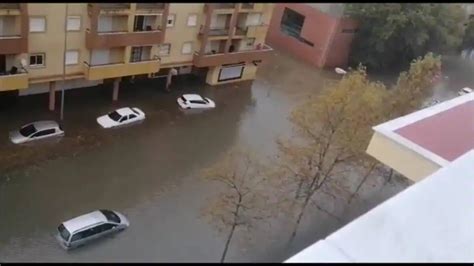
x,y
136,54
250,42
27,130
254,19
37,24
291,23
36,60
124,118
187,48
44,133
192,20
165,49
77,236
132,116
103,228
115,116
73,23
111,216
170,21
72,57
64,232
197,102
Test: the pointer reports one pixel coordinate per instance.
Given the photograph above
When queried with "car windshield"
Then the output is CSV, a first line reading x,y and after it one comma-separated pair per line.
x,y
63,232
27,130
182,98
111,216
115,116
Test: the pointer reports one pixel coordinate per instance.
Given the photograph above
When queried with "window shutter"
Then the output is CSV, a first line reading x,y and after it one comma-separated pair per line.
x,y
37,24
73,23
72,57
192,20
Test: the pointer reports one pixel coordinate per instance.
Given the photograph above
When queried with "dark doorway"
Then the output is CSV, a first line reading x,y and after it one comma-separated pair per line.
x,y
3,64
139,23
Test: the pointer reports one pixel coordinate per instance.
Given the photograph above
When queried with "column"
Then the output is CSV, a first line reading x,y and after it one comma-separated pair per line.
x,y
52,95
116,89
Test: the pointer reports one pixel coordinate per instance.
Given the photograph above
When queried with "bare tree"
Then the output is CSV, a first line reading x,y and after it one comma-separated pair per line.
x,y
241,202
331,130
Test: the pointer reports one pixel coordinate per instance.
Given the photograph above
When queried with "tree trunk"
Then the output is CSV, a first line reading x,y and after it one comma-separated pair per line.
x,y
298,191
300,216
372,167
229,238
390,176
234,224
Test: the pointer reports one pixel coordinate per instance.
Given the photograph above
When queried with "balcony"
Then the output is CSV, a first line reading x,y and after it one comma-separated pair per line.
x,y
150,6
111,8
207,60
115,70
9,6
15,44
219,8
247,6
102,40
13,82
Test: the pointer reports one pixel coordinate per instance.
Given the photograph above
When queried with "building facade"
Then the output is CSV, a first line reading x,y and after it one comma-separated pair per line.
x,y
315,33
47,47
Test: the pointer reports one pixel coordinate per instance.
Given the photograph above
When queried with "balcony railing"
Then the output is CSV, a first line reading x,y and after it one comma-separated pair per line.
x,y
9,6
15,44
247,6
223,5
111,6
218,32
150,6
119,39
114,70
206,60
13,82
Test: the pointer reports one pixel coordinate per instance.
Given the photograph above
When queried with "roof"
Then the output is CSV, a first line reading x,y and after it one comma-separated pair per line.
x,y
431,221
441,133
40,125
193,97
84,220
124,111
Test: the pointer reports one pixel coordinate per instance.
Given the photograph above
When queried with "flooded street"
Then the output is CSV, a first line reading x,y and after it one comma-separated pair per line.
x,y
149,171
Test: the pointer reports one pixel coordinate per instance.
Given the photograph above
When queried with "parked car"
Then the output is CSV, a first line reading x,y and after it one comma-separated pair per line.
x,y
85,228
35,131
120,117
464,90
195,101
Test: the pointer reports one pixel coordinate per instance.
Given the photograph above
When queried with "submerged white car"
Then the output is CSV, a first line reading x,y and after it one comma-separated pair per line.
x,y
195,101
122,116
35,131
465,90
85,228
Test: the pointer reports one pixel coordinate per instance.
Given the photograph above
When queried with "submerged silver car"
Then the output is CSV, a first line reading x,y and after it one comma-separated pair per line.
x,y
80,230
36,130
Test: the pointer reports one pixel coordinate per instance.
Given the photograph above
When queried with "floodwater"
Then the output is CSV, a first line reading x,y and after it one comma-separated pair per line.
x,y
149,171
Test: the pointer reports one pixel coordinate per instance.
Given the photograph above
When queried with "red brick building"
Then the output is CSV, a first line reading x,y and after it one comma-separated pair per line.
x,y
316,33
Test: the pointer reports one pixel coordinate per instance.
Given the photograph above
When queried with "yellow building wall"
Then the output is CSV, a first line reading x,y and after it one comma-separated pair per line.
x,y
76,40
181,32
50,42
250,71
403,160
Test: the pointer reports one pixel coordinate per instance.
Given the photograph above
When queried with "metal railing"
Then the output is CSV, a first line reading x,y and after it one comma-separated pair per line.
x,y
9,6
150,6
114,5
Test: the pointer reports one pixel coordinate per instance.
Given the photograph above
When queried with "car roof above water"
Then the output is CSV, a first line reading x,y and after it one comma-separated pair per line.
x,y
41,125
193,97
125,111
84,221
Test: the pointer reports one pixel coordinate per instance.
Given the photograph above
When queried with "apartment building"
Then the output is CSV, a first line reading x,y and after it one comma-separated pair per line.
x,y
316,33
47,47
